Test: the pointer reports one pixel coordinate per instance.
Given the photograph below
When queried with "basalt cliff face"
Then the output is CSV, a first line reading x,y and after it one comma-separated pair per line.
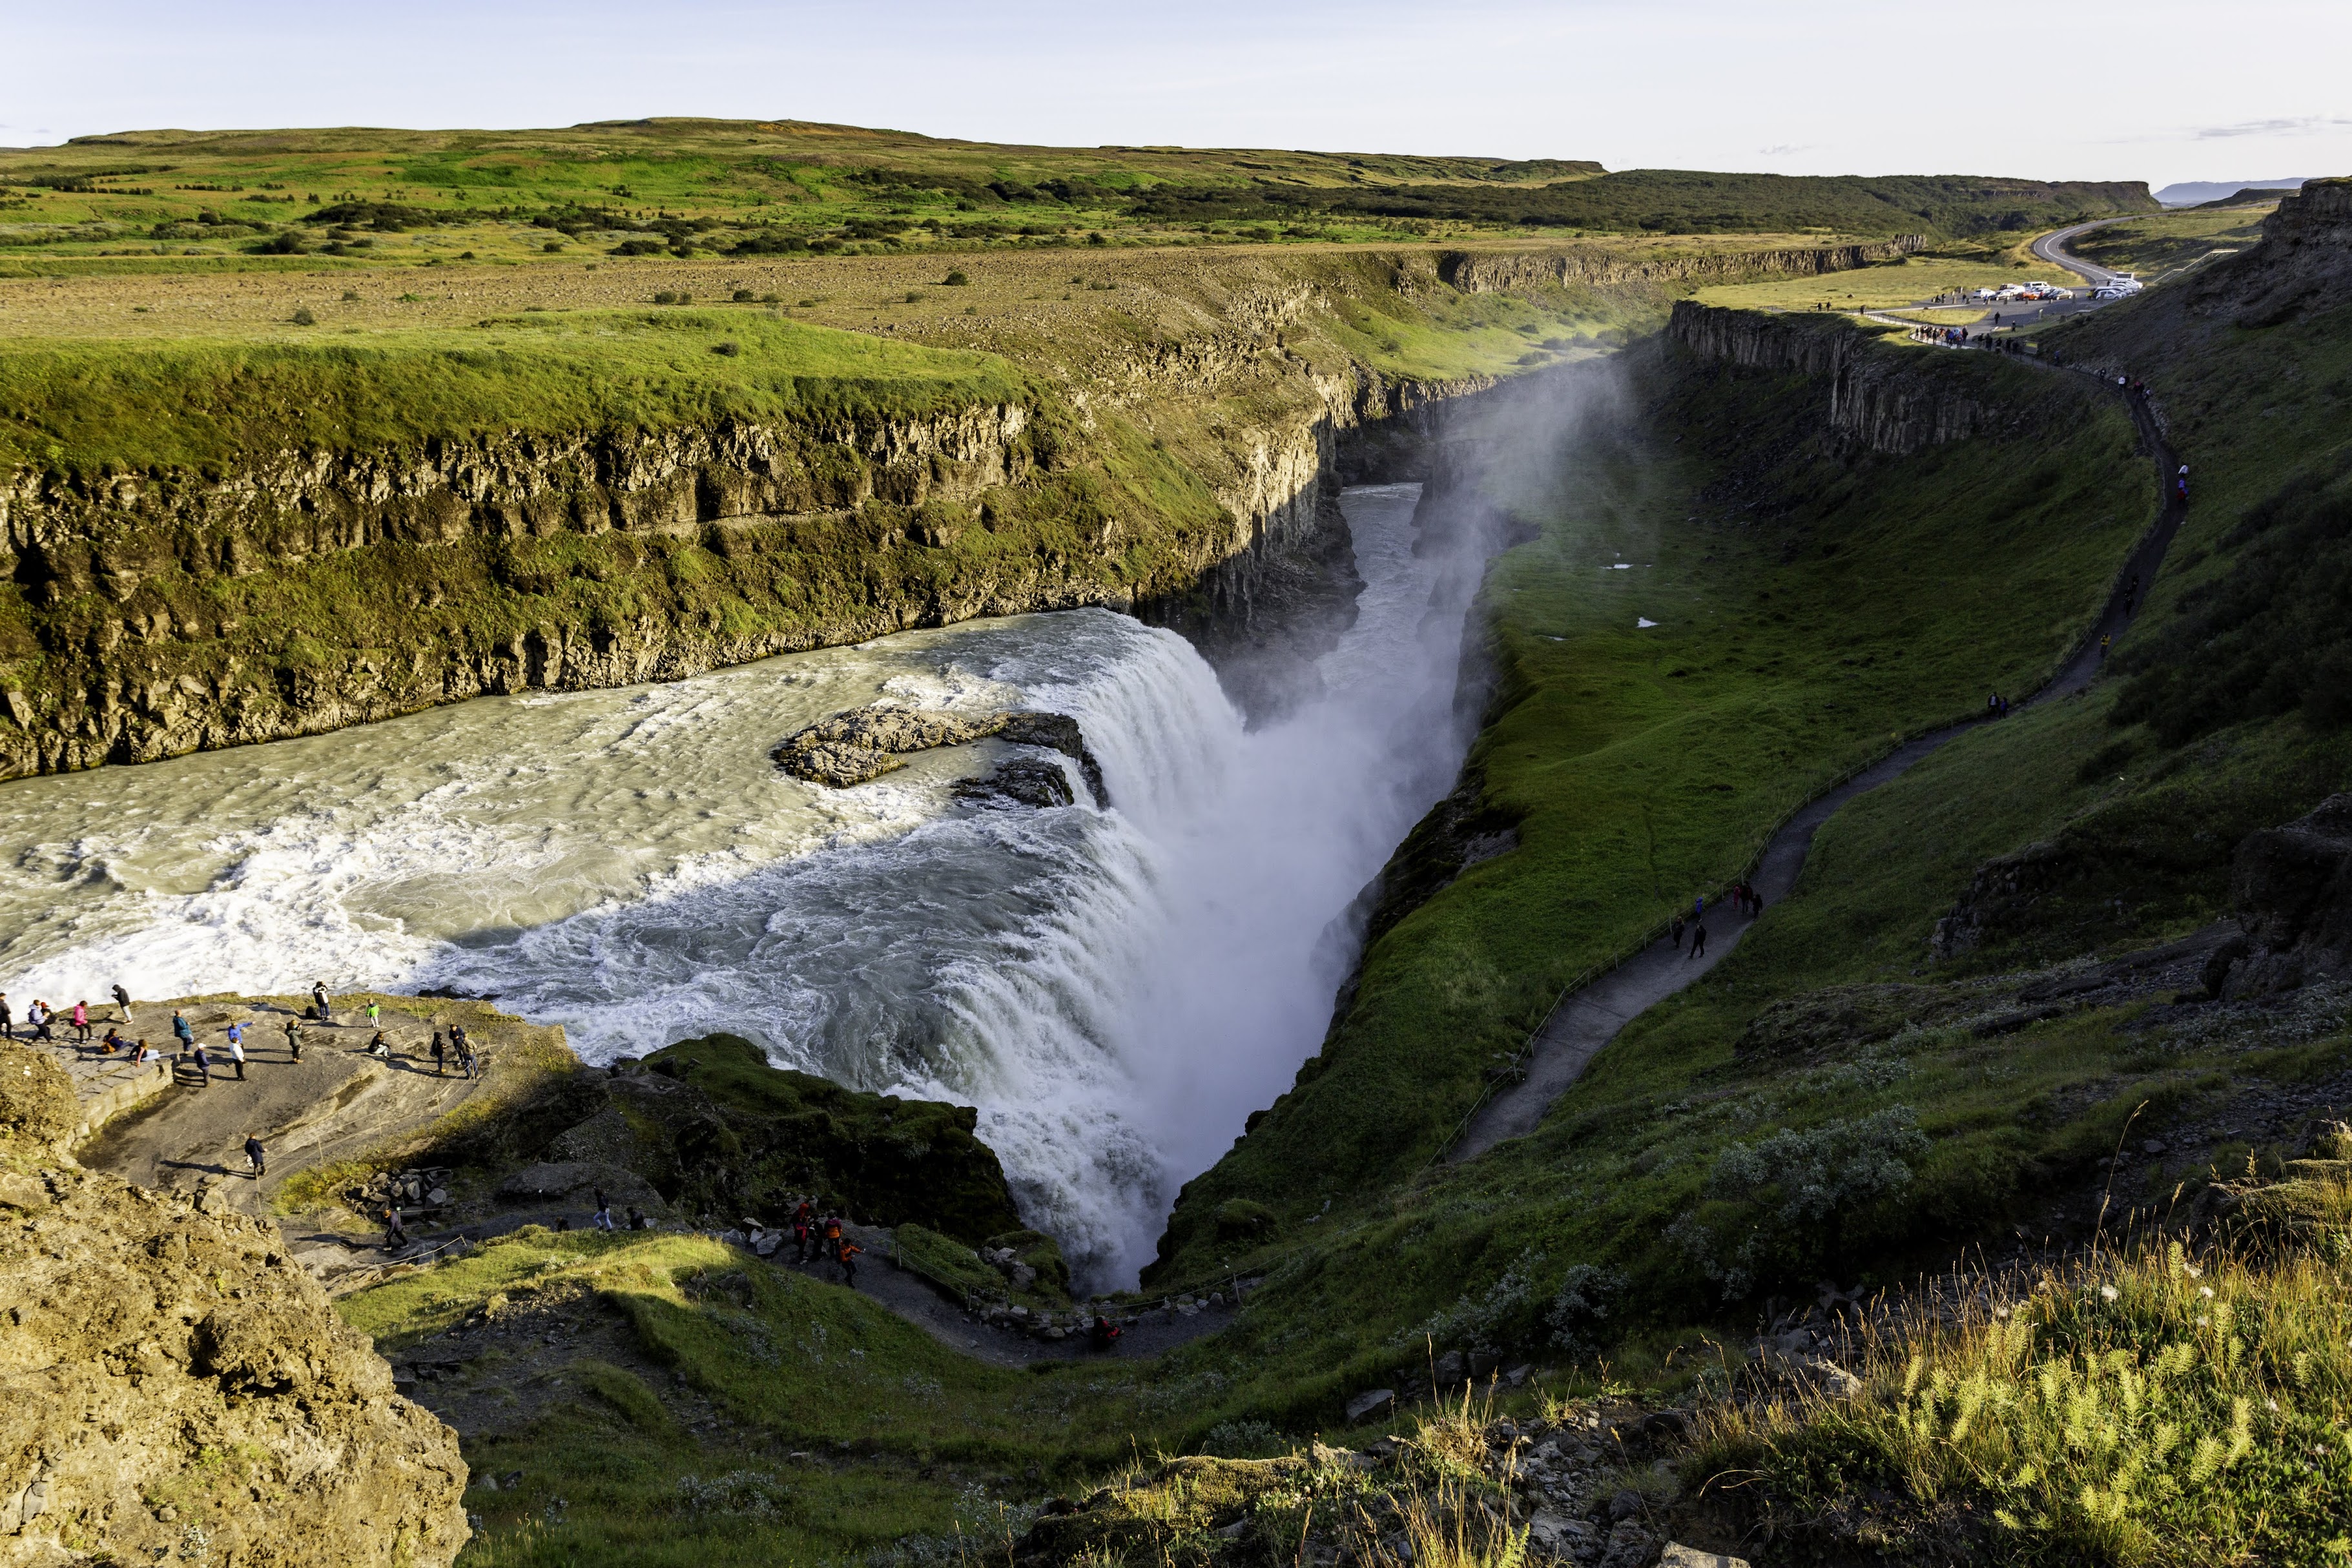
x,y
1182,465
176,1387
159,612
1880,398
1481,271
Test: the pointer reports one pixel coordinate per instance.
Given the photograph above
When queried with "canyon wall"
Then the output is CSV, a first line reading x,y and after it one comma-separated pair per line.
x,y
1475,272
1880,397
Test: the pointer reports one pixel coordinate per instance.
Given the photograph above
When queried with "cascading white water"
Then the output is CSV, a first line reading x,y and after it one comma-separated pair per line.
x,y
1115,990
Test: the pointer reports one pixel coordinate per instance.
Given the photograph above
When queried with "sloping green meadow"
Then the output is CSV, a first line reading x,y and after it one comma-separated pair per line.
x,y
97,405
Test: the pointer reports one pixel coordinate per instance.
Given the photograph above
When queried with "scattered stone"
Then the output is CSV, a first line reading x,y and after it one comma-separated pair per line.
x,y
1678,1556
1624,1503
1630,1546
1367,1402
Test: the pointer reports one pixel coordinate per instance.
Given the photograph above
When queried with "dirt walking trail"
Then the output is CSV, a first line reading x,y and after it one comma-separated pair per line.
x,y
1583,1023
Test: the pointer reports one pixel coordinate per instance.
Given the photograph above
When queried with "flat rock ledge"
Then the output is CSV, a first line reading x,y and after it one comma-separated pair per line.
x,y
863,743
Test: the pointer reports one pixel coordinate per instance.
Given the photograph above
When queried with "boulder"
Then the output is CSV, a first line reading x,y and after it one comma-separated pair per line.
x,y
863,743
1678,1556
2291,887
1369,1402
171,1384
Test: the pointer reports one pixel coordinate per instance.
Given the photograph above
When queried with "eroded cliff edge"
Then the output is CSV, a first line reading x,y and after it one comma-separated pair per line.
x,y
1181,460
171,1384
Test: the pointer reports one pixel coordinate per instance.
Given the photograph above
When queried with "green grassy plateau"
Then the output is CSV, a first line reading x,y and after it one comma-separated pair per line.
x,y
763,188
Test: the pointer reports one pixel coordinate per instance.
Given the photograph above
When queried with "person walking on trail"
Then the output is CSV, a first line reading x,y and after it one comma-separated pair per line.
x,y
1698,941
81,1023
1698,909
122,1000
256,1159
845,1254
603,1220
39,1016
394,1233
236,1050
2103,649
1678,928
322,1002
440,1056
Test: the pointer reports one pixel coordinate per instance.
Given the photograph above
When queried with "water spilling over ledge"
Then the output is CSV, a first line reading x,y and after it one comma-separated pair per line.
x,y
1114,989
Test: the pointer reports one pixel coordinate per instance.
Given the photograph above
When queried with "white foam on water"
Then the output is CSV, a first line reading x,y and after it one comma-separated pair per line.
x,y
1115,990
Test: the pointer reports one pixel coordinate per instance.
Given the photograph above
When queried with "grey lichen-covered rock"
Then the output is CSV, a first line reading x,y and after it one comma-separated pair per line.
x,y
2293,889
171,1384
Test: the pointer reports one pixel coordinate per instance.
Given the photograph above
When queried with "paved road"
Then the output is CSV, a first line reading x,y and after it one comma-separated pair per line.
x,y
2051,248
1582,1024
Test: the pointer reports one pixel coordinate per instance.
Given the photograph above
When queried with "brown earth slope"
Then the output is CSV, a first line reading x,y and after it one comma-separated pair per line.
x,y
171,1384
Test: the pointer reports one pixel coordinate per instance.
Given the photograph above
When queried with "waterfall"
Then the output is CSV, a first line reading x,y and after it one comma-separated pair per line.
x,y
1114,989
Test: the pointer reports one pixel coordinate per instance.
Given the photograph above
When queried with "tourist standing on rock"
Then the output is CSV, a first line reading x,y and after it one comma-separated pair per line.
x,y
237,1052
375,1015
81,1023
122,1000
440,1056
256,1157
7,1018
182,1030
294,1038
39,1016
320,1000
203,1068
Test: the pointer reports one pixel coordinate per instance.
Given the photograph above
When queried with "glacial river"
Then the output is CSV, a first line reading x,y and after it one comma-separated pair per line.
x,y
1114,989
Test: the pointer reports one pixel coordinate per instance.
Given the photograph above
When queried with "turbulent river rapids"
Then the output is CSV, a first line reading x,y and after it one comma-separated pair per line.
x,y
1114,989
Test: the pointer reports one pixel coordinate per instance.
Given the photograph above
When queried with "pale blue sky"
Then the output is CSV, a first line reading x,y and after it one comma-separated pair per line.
x,y
2157,91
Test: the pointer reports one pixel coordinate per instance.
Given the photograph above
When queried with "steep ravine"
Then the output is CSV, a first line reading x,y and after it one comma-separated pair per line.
x,y
1185,472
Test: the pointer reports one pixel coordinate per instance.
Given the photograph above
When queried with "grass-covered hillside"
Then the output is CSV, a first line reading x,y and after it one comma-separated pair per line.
x,y
1789,608
745,188
1969,1025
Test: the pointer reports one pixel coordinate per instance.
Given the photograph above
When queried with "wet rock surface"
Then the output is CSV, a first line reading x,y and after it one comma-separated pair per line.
x,y
863,743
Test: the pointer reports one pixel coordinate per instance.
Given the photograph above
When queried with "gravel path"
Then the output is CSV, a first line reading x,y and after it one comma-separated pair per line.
x,y
1583,1023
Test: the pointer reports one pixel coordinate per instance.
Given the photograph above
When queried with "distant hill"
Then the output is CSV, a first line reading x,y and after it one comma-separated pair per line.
x,y
2196,193
772,186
